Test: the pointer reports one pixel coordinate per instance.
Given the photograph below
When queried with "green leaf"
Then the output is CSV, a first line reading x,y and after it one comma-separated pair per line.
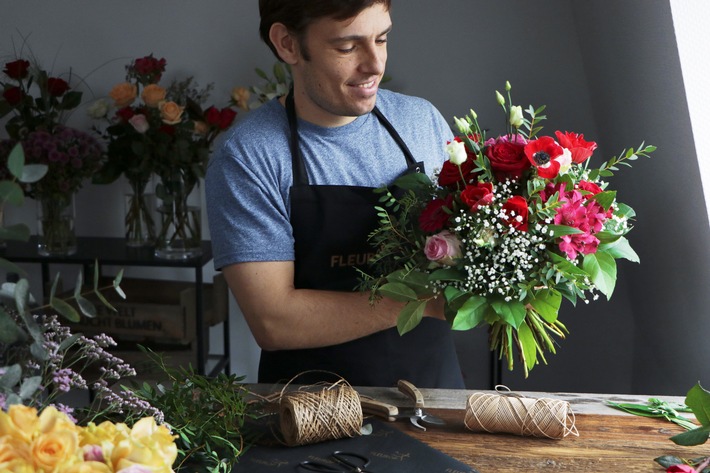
x,y
413,181
11,376
11,267
605,198
470,314
85,306
416,280
529,346
447,274
513,312
16,160
30,386
621,248
602,271
12,193
547,303
698,399
398,292
692,437
9,330
65,309
22,294
16,232
560,230
32,173
410,316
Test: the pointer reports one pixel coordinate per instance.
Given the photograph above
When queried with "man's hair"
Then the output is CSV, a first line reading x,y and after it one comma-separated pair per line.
x,y
296,15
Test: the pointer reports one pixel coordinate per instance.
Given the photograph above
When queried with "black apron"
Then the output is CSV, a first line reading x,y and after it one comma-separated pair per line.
x,y
330,227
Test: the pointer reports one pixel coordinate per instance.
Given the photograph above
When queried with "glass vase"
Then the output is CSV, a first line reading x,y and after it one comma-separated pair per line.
x,y
55,225
179,219
140,225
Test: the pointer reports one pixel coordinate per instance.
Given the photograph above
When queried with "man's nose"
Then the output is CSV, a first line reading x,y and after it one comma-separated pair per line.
x,y
374,58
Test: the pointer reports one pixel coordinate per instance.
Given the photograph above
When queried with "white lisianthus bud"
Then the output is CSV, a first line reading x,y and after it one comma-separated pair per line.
x,y
565,160
457,152
500,98
473,114
462,125
507,86
516,116
98,109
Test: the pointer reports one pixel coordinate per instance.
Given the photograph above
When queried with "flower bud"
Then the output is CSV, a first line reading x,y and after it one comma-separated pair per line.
x,y
462,125
516,116
507,86
473,114
500,98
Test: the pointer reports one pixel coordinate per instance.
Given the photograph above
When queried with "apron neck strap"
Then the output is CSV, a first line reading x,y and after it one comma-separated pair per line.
x,y
300,175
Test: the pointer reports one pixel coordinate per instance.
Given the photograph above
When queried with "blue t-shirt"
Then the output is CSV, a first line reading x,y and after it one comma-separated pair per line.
x,y
250,174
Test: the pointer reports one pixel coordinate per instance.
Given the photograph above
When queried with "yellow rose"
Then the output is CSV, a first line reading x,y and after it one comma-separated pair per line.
x,y
51,420
240,97
152,95
12,450
56,449
19,421
87,467
106,431
171,113
149,444
17,466
123,94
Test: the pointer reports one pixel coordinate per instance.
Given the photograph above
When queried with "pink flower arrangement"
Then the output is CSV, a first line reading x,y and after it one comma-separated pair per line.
x,y
508,227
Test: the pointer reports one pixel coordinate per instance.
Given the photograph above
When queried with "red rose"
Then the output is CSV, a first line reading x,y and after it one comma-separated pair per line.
x,y
435,214
580,149
451,174
541,153
125,113
506,156
56,86
17,69
226,117
149,68
167,129
478,195
516,210
13,96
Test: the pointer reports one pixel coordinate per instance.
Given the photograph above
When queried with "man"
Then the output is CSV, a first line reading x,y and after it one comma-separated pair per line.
x,y
290,202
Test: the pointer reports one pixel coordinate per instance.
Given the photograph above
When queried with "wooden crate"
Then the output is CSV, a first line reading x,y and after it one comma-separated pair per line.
x,y
156,311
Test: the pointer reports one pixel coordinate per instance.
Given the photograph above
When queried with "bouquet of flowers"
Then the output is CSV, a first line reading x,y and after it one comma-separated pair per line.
x,y
508,227
51,441
155,129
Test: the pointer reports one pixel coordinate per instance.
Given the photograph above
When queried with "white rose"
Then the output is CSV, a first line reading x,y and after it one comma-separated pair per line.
x,y
457,152
98,109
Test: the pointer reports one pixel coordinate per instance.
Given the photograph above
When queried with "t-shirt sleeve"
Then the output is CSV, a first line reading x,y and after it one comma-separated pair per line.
x,y
246,210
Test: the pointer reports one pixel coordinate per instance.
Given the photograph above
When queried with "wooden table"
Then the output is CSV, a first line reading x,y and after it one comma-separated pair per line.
x,y
609,440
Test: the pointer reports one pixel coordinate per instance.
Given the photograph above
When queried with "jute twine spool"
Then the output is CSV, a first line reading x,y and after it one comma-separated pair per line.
x,y
319,412
507,412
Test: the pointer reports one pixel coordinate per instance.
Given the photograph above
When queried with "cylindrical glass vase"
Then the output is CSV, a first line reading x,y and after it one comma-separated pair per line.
x,y
140,208
55,225
179,219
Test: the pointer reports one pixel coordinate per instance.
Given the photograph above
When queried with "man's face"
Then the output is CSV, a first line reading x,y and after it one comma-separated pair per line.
x,y
346,62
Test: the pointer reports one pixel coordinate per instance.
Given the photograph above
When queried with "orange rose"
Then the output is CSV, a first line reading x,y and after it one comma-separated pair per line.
x,y
171,113
153,94
201,128
123,94
240,97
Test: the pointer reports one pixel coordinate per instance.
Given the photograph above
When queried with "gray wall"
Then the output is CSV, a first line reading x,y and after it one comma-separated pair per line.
x,y
607,68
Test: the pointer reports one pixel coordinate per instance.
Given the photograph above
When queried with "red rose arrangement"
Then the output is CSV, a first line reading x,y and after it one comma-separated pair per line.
x,y
508,227
37,100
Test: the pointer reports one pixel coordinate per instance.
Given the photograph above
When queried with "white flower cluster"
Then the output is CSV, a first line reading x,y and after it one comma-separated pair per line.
x,y
499,260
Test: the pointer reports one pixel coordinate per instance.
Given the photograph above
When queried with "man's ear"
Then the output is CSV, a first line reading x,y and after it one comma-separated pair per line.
x,y
285,43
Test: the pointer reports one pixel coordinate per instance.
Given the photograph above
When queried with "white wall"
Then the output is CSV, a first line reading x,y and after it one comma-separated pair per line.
x,y
606,68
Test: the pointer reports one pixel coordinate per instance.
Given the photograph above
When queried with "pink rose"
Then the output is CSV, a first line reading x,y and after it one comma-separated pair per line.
x,y
139,123
681,469
442,248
